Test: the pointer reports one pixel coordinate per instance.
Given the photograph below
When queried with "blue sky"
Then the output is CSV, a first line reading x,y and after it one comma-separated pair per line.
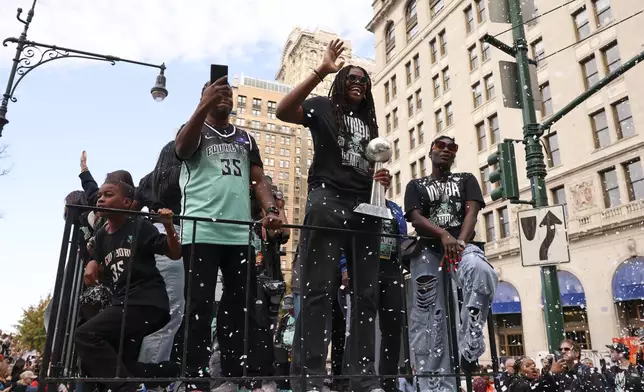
x,y
69,105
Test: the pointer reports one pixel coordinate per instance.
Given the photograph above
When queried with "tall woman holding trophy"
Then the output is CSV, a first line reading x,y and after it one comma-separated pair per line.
x,y
341,178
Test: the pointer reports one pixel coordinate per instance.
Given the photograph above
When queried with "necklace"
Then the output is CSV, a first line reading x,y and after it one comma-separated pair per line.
x,y
219,133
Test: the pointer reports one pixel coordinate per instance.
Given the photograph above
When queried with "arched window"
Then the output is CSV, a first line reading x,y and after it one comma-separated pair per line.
x,y
411,19
390,41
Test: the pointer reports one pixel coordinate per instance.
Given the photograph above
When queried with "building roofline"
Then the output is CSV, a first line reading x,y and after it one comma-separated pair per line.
x,y
379,17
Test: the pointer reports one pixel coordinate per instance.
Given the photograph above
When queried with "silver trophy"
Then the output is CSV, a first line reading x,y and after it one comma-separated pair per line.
x,y
379,152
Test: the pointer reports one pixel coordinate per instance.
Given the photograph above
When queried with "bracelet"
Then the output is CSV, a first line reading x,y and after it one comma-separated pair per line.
x,y
318,75
272,209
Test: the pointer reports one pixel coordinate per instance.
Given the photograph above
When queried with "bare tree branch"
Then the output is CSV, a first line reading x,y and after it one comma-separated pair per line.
x,y
3,155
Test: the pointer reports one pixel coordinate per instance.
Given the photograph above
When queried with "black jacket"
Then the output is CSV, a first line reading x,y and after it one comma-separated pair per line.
x,y
629,379
580,378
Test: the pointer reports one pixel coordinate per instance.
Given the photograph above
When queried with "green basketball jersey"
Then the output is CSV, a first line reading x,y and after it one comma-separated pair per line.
x,y
215,184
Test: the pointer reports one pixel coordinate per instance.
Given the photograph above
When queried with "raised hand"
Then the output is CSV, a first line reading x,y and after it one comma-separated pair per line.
x,y
83,162
217,93
329,62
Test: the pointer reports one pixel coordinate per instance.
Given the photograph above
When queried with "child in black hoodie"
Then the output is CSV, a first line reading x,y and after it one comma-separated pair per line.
x,y
124,254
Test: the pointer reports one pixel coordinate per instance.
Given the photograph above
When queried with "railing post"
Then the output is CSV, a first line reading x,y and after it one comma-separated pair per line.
x,y
448,292
44,370
186,312
493,350
249,304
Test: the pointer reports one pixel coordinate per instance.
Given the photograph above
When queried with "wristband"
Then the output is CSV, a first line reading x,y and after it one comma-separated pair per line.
x,y
272,209
318,75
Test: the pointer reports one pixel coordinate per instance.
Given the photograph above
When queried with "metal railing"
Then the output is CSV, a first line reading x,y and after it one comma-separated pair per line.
x,y
60,361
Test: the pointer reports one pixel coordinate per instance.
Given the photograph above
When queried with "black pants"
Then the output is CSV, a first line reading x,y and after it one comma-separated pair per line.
x,y
320,252
234,262
97,342
390,314
338,334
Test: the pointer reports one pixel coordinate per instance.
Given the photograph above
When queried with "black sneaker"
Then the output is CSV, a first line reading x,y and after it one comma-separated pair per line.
x,y
469,367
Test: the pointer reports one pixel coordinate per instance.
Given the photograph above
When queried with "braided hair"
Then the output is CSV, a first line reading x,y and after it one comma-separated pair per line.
x,y
365,111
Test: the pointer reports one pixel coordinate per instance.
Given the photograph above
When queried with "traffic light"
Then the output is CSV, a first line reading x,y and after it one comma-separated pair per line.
x,y
506,173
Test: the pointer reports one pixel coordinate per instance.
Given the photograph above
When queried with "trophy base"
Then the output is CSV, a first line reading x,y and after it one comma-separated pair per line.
x,y
373,210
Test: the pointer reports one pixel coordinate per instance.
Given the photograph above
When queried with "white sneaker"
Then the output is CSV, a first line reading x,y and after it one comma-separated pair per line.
x,y
228,386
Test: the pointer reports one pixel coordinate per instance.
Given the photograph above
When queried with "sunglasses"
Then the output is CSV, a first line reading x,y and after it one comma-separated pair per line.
x,y
358,79
441,145
564,349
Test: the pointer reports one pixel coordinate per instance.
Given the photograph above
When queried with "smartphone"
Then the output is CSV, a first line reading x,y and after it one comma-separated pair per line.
x,y
558,356
217,71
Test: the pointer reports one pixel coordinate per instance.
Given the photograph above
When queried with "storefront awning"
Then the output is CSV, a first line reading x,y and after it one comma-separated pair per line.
x,y
506,299
572,292
628,281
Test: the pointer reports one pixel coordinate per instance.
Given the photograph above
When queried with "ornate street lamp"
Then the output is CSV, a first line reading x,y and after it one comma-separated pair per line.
x,y
30,55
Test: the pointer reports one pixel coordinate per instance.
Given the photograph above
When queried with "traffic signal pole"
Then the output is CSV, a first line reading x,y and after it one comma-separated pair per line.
x,y
536,172
535,165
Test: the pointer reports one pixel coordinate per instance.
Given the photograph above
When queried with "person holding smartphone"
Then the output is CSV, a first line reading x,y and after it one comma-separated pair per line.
x,y
220,163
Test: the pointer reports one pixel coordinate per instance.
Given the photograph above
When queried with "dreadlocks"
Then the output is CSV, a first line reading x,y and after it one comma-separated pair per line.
x,y
366,111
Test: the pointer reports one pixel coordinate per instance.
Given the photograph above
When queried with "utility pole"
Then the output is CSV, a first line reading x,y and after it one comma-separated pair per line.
x,y
535,165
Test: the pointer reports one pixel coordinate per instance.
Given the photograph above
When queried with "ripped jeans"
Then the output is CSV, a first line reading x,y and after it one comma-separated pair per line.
x,y
428,331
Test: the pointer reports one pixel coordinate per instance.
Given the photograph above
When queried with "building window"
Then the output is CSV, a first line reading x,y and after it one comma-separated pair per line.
x,y
257,103
559,197
469,19
485,180
412,139
554,155
414,173
416,66
546,99
538,52
435,6
490,234
634,180
255,124
388,122
423,167
474,58
623,118
396,149
394,87
489,87
257,112
449,114
600,129
419,100
611,188
612,61
602,11
386,92
421,133
241,101
480,10
395,114
446,79
438,115
485,51
437,86
581,24
271,108
591,74
390,41
481,135
477,95
495,133
504,222
410,106
442,39
411,18
397,182
433,50
408,72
